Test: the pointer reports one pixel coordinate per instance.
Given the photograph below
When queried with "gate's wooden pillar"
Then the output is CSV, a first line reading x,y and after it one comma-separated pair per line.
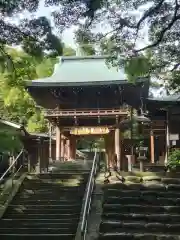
x,y
110,151
112,142
152,145
62,148
106,151
58,143
68,149
118,148
72,147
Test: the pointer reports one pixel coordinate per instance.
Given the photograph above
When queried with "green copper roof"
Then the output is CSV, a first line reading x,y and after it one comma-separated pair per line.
x,y
84,70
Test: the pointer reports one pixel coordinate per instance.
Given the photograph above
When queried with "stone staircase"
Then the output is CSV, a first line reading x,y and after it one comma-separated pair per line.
x,y
47,206
139,208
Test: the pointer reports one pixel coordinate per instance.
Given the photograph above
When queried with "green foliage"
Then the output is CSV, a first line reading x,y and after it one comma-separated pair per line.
x,y
137,67
15,102
37,123
174,159
68,51
90,143
85,40
17,105
87,50
46,67
9,139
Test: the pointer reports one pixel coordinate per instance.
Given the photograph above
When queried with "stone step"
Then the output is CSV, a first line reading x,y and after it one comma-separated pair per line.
x,y
50,187
48,196
170,180
164,218
52,191
36,236
137,236
142,187
135,186
59,184
135,193
44,230
73,219
37,223
45,202
121,208
45,210
41,215
52,194
148,208
44,207
64,175
143,200
55,181
139,227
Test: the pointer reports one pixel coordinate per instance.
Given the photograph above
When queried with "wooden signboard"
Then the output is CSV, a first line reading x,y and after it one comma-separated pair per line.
x,y
89,131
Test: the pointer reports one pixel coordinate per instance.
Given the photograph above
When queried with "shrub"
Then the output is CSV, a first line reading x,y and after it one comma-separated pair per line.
x,y
174,159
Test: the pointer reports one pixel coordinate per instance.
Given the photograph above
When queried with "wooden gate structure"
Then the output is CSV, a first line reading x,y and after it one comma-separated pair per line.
x,y
85,92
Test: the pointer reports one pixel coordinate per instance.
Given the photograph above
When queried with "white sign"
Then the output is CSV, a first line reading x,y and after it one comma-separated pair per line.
x,y
174,137
174,143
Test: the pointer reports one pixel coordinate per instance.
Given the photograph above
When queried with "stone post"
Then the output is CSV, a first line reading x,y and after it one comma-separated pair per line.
x,y
118,147
167,138
39,156
58,143
152,145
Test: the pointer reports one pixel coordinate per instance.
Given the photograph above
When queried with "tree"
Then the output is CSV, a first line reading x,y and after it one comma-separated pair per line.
x,y
68,51
86,42
35,35
15,102
17,105
127,23
9,140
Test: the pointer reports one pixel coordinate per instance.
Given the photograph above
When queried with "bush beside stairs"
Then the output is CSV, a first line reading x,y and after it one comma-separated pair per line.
x,y
47,206
141,208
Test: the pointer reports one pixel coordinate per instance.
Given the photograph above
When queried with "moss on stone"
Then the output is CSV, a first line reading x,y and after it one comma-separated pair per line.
x,y
134,179
151,178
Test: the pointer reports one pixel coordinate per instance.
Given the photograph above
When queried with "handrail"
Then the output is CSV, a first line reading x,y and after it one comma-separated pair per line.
x,y
14,174
11,166
88,196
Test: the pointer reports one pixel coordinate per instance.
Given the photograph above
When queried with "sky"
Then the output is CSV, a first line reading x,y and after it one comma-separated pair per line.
x,y
68,34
